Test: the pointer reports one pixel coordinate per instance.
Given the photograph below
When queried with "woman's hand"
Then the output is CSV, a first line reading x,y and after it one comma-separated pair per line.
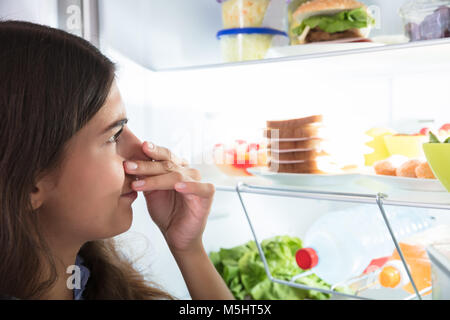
x,y
177,202
181,214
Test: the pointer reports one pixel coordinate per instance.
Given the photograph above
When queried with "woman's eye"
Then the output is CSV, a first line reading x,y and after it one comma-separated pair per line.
x,y
115,138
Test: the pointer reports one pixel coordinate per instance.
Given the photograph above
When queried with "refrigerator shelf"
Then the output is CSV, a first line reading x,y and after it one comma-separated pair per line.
x,y
389,54
317,194
381,200
171,50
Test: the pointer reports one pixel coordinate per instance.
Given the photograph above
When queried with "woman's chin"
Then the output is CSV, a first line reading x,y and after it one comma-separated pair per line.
x,y
121,225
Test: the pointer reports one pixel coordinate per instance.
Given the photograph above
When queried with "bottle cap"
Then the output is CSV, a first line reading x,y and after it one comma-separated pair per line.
x,y
393,275
306,258
389,277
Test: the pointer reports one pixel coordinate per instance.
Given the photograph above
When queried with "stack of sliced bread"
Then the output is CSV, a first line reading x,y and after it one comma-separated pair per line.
x,y
294,145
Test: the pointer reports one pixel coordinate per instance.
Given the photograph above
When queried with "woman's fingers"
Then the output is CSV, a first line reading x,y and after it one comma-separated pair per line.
x,y
203,190
162,154
160,182
142,168
162,172
174,180
149,167
194,174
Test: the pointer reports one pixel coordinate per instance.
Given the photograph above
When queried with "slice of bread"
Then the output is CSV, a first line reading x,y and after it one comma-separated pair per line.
x,y
301,155
308,131
309,143
324,7
293,123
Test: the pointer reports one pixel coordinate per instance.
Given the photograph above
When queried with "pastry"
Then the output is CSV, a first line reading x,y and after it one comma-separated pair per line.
x,y
423,171
408,169
385,168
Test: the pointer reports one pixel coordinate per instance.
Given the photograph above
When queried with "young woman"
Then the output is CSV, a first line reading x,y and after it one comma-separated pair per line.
x,y
70,169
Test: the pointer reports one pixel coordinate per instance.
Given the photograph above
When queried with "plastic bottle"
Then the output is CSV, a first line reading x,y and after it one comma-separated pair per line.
x,y
341,244
393,273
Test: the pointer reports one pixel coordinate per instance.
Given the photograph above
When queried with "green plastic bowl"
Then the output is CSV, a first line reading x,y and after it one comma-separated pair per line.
x,y
438,156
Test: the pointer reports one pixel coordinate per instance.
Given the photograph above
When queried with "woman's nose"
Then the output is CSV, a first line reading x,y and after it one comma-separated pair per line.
x,y
135,149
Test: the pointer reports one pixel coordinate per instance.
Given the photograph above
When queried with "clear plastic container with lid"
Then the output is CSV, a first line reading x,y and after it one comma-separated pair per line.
x,y
242,44
243,13
426,19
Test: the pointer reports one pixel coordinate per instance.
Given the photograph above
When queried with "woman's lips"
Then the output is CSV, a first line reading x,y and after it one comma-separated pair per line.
x,y
132,195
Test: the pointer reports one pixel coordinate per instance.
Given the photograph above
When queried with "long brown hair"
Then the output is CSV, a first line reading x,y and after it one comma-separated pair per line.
x,y
51,84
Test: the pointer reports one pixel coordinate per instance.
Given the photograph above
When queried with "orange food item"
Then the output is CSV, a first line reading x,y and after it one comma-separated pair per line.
x,y
419,264
408,169
424,171
385,168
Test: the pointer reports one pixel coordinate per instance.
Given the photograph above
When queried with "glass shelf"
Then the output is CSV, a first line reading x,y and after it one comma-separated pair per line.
x,y
180,35
350,193
440,201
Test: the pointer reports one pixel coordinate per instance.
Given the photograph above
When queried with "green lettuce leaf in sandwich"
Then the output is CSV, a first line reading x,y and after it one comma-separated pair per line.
x,y
331,20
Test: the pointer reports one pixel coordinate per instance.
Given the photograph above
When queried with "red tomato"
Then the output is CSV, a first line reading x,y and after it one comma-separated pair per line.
x,y
253,146
424,131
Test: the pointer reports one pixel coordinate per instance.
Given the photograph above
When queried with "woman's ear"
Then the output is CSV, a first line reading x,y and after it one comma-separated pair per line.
x,y
37,197
40,192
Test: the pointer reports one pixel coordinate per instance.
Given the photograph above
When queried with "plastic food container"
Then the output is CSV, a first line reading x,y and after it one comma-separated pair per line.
x,y
426,19
440,270
243,13
247,43
405,145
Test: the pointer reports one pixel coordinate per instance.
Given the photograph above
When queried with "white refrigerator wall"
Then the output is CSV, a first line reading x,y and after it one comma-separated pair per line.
x,y
191,109
41,11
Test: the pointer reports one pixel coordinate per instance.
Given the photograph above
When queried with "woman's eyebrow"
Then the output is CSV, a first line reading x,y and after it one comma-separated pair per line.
x,y
118,123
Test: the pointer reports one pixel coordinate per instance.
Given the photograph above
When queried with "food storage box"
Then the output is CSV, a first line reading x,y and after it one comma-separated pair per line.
x,y
439,255
406,145
426,19
242,44
243,13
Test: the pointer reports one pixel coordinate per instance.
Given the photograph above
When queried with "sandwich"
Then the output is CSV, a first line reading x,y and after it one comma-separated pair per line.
x,y
331,20
294,145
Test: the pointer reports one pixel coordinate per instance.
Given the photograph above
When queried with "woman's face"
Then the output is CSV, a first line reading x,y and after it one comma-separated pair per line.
x,y
85,203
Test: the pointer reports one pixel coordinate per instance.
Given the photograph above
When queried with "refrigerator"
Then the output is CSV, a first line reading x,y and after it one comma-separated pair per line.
x,y
180,92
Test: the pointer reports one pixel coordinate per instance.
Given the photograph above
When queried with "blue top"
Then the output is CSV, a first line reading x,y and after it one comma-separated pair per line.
x,y
77,293
85,273
252,30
